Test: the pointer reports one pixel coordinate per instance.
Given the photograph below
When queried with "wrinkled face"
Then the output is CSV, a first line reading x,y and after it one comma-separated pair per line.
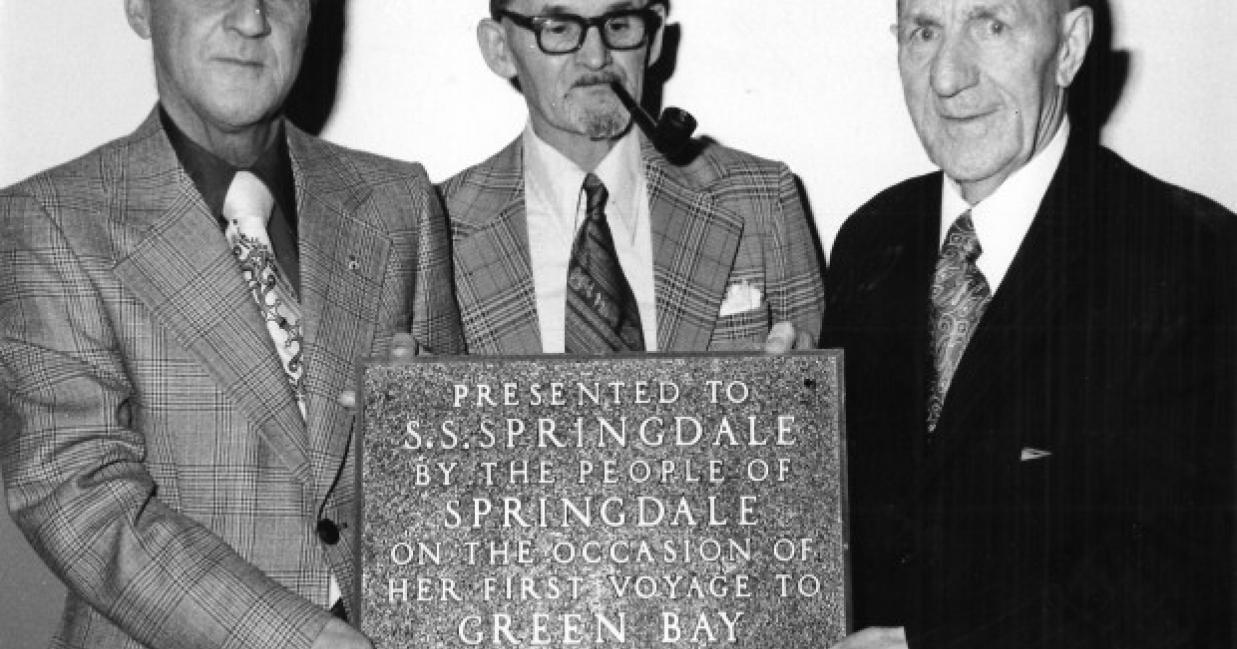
x,y
984,82
568,94
225,64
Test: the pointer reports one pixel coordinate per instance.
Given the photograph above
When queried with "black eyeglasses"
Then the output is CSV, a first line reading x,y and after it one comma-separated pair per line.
x,y
626,29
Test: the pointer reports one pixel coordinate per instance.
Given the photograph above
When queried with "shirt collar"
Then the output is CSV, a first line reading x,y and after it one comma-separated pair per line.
x,y
212,175
1002,219
557,181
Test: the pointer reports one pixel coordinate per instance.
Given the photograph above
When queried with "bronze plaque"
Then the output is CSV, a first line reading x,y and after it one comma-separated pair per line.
x,y
640,500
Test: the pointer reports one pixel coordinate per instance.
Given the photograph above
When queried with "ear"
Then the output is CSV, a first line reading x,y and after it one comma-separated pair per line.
x,y
655,47
1077,28
138,13
492,38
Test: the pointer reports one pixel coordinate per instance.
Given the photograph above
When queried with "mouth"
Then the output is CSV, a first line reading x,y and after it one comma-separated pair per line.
x,y
965,118
240,62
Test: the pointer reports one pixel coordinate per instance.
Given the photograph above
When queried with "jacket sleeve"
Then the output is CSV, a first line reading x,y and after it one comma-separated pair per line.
x,y
72,457
793,273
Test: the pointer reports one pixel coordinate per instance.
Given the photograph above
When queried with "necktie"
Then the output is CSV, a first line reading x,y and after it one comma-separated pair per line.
x,y
960,295
602,314
247,208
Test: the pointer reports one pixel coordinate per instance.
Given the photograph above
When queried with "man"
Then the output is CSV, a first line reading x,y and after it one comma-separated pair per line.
x,y
1040,364
581,237
171,440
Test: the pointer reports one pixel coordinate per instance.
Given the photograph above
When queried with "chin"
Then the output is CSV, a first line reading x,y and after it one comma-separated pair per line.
x,y
966,161
242,112
604,124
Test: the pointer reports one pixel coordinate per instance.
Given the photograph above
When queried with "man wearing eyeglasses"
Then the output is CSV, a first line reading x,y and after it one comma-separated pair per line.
x,y
581,237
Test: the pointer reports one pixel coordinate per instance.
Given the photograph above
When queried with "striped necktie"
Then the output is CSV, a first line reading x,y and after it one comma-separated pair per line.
x,y
602,313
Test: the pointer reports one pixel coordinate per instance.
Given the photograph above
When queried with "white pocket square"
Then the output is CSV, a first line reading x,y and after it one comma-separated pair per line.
x,y
741,297
1029,454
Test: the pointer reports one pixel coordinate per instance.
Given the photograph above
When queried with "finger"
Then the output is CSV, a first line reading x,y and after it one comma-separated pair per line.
x,y
781,338
347,399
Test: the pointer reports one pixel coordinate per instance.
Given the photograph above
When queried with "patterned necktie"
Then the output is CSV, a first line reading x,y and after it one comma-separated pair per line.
x,y
960,295
602,314
247,209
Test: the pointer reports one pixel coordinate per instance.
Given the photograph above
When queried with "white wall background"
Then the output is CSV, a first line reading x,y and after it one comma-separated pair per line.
x,y
810,82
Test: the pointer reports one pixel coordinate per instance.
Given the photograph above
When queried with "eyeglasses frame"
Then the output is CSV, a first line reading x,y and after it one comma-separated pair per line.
x,y
652,21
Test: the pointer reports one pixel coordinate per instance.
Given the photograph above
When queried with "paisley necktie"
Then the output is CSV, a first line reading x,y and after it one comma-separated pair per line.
x,y
960,295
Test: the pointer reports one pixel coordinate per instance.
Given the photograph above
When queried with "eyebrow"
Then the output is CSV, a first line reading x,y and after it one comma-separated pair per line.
x,y
1001,10
918,20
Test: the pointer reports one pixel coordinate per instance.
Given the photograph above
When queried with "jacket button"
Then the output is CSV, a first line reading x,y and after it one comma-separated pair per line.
x,y
328,531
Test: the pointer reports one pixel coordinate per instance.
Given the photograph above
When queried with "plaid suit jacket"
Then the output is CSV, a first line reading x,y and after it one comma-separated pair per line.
x,y
152,450
726,220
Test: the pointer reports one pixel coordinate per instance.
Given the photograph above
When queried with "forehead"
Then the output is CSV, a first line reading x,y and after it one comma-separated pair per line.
x,y
965,8
212,8
581,7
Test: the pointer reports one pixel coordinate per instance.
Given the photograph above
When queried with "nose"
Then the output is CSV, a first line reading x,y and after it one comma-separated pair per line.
x,y
248,18
953,66
593,53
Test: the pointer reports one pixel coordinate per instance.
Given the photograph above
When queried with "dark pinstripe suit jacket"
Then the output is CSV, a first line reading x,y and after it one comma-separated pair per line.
x,y
725,219
1078,489
152,450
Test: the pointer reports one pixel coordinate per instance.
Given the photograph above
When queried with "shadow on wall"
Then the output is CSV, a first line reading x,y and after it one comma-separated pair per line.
x,y
1101,82
312,99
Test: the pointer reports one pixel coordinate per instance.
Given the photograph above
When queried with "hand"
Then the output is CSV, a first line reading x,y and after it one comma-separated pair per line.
x,y
875,638
338,635
403,347
784,337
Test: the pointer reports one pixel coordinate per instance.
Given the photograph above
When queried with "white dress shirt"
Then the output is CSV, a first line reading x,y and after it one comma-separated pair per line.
x,y
554,204
1002,219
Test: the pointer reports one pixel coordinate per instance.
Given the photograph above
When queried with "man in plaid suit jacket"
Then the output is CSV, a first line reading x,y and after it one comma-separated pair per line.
x,y
153,450
732,261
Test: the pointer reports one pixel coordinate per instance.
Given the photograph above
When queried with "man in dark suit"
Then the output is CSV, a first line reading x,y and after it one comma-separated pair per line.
x,y
180,310
715,254
1039,361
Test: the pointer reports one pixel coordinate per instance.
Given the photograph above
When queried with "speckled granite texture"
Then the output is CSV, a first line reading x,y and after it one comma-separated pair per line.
x,y
649,500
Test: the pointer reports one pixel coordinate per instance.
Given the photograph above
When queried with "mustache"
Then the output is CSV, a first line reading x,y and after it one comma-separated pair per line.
x,y
597,79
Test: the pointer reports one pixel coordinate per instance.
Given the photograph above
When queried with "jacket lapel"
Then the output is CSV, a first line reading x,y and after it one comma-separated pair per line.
x,y
902,272
492,267
174,259
344,251
1016,328
694,245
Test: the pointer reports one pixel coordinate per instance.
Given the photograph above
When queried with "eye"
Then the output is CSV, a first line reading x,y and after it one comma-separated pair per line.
x,y
995,27
619,24
556,27
923,34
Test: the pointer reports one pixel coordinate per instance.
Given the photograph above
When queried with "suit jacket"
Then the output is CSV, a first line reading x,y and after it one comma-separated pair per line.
x,y
1077,491
726,219
153,452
